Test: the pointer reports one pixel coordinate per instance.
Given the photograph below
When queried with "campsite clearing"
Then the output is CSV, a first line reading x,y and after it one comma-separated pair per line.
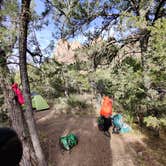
x,y
94,148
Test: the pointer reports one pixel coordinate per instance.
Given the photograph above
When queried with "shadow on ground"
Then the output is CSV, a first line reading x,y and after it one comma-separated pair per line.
x,y
94,148
148,150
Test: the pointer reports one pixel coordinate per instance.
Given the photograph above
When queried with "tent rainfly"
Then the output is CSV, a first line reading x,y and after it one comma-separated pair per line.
x,y
39,103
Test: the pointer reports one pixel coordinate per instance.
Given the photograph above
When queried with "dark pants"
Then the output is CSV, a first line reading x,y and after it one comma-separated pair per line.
x,y
107,124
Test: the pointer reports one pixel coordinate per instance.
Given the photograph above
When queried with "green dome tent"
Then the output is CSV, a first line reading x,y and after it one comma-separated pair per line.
x,y
38,102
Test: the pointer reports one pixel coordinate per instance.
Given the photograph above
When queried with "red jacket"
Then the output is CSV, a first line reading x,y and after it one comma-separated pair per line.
x,y
106,109
18,93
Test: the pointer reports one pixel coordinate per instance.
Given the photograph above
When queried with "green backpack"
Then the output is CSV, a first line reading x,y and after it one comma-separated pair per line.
x,y
69,141
100,122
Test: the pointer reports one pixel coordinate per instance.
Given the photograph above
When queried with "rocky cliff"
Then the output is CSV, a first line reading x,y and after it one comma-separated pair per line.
x,y
65,51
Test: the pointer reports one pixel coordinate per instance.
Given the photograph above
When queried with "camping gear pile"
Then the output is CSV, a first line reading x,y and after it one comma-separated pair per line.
x,y
68,142
119,125
106,118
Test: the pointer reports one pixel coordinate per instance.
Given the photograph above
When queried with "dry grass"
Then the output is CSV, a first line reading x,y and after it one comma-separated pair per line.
x,y
150,149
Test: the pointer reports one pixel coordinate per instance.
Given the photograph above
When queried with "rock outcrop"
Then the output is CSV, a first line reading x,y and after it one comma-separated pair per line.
x,y
65,51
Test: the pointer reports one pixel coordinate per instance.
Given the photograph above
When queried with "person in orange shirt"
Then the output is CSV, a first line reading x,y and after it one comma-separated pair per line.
x,y
106,109
106,113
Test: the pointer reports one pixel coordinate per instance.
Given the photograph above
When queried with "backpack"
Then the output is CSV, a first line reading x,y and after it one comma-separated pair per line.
x,y
69,141
104,123
119,125
117,120
100,122
125,128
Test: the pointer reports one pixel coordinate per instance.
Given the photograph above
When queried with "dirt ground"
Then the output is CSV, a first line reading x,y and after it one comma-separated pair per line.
x,y
93,149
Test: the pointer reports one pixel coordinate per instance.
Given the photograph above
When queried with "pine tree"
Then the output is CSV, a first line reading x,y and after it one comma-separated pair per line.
x,y
23,123
23,30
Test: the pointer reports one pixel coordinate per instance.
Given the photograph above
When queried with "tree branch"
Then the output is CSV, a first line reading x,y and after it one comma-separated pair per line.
x,y
135,7
161,3
33,54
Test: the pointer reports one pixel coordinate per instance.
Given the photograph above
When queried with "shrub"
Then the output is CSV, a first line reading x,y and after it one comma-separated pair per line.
x,y
74,102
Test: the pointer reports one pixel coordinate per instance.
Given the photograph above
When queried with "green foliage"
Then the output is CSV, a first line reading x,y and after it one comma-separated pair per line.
x,y
163,121
99,53
8,30
152,122
74,102
75,16
52,79
131,62
124,83
156,56
47,79
156,70
78,81
128,117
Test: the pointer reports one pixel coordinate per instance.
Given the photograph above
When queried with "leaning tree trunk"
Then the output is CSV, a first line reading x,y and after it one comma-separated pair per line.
x,y
16,116
24,19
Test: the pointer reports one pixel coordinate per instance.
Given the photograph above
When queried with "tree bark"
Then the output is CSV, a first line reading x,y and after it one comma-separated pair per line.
x,y
24,19
144,40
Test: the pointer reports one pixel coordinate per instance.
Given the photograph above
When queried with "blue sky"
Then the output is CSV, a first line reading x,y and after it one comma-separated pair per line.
x,y
44,36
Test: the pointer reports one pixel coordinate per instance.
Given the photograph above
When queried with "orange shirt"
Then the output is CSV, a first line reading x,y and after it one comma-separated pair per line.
x,y
106,109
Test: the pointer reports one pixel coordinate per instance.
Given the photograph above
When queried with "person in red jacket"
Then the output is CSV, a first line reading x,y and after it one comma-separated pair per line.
x,y
18,93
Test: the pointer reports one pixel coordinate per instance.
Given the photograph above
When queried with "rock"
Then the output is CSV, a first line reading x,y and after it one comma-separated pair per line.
x,y
65,51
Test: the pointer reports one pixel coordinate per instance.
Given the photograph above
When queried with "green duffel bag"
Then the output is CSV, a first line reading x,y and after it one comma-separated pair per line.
x,y
69,141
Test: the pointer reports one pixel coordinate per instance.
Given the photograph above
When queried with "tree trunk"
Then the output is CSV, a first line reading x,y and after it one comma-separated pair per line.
x,y
16,116
144,46
24,19
145,79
